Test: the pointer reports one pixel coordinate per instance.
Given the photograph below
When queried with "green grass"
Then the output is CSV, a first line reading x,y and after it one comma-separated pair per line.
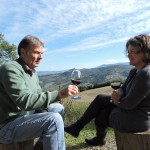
x,y
73,110
79,143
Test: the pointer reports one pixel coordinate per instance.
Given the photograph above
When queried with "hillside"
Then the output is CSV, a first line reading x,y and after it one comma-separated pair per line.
x,y
90,76
89,95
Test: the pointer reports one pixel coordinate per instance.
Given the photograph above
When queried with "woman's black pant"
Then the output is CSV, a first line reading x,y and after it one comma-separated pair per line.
x,y
99,109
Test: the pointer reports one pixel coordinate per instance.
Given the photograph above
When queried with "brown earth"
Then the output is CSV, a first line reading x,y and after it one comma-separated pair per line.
x,y
89,95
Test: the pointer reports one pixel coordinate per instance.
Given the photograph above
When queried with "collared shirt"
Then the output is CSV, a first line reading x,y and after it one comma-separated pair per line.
x,y
26,68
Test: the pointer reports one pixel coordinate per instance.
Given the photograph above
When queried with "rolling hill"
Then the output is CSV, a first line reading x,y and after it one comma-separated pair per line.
x,y
90,76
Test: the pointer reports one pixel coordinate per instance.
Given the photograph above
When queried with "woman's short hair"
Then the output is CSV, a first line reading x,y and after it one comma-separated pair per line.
x,y
29,41
143,42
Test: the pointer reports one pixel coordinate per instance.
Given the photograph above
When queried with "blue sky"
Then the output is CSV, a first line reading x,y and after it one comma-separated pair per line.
x,y
77,33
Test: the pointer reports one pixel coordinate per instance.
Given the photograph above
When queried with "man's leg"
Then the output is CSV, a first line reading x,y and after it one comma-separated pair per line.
x,y
55,108
47,125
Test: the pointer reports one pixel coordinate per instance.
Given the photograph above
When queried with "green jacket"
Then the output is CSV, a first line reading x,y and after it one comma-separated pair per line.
x,y
20,92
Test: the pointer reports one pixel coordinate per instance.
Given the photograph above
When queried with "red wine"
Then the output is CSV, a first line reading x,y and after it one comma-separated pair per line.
x,y
76,82
115,86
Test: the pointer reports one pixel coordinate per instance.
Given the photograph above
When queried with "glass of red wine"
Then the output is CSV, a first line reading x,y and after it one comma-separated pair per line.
x,y
76,79
115,83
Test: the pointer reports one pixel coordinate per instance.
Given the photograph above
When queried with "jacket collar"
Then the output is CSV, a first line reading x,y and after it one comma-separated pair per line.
x,y
26,68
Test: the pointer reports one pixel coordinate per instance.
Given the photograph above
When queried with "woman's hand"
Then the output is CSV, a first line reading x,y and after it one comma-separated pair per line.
x,y
115,96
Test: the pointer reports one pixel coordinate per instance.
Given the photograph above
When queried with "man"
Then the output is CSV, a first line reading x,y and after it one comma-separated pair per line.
x,y
25,111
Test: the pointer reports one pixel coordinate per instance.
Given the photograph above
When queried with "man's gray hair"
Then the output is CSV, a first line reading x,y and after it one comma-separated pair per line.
x,y
29,41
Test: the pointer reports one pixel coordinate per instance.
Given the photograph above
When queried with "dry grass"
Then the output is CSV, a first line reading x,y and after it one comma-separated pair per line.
x,y
89,95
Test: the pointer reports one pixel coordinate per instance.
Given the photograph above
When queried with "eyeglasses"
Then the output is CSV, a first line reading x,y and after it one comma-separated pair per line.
x,y
134,52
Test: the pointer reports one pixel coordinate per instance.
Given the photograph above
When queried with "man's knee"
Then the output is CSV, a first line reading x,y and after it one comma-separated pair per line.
x,y
53,124
56,108
60,109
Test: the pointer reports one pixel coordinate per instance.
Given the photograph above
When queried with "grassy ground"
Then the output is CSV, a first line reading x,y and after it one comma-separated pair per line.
x,y
73,110
79,143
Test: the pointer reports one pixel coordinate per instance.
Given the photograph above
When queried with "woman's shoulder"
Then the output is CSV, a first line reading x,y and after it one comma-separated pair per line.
x,y
144,71
146,68
133,70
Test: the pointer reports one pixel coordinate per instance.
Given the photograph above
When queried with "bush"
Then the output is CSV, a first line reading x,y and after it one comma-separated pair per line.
x,y
93,86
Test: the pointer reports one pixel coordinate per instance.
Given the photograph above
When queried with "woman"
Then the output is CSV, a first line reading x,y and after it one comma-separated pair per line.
x,y
130,111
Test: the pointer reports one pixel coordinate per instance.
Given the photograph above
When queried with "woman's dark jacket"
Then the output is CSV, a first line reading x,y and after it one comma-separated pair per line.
x,y
133,112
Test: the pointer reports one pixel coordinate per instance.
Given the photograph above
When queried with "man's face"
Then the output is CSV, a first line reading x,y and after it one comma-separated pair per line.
x,y
33,56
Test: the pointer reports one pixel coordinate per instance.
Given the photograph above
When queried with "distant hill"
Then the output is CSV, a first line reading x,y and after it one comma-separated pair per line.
x,y
90,76
43,73
106,65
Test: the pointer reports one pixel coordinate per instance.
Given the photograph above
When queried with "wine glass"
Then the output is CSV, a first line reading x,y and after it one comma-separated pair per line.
x,y
76,79
115,83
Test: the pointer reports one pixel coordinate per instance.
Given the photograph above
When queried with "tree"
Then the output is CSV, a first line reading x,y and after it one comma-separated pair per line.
x,y
7,51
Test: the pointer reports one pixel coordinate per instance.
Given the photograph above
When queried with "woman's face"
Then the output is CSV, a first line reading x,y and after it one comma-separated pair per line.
x,y
136,56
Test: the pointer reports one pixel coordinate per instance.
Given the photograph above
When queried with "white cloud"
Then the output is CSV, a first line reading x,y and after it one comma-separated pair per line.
x,y
113,61
56,19
92,43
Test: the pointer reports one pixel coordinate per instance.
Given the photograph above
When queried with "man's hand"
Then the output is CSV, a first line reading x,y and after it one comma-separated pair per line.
x,y
68,91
